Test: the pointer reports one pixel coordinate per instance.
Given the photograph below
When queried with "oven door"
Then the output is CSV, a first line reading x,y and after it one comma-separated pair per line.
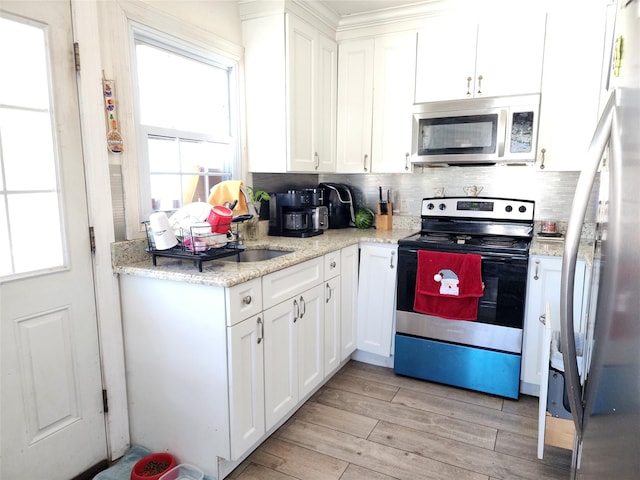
x,y
500,310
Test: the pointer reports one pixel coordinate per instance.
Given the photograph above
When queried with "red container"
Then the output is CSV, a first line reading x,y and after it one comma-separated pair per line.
x,y
153,466
220,219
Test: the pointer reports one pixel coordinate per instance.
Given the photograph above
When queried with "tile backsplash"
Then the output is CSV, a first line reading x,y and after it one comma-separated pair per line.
x,y
552,191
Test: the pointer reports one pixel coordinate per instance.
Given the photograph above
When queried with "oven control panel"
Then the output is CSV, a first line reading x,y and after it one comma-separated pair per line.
x,y
478,207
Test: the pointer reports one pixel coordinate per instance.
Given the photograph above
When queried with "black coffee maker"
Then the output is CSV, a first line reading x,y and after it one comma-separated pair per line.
x,y
295,213
338,198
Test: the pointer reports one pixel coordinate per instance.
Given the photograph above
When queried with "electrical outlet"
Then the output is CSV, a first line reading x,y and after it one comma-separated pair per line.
x,y
404,205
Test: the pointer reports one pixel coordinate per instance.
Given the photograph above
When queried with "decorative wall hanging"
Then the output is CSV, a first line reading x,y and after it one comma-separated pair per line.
x,y
115,144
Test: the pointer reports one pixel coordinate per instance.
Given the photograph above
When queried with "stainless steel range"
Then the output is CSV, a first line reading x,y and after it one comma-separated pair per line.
x,y
484,353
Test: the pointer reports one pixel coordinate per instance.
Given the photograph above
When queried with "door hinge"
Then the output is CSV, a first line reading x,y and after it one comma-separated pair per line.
x,y
105,402
76,55
92,240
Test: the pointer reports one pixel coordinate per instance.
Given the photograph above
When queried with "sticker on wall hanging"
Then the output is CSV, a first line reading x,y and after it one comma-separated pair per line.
x,y
115,143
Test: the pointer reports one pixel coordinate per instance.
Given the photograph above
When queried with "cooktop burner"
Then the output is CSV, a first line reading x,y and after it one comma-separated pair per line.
x,y
484,225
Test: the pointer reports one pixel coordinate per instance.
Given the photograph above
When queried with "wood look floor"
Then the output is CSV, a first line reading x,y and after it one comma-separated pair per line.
x,y
367,423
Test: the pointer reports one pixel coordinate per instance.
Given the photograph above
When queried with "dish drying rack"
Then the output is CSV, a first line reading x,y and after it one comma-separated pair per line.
x,y
185,251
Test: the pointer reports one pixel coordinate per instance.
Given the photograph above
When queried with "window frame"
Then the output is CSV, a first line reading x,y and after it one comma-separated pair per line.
x,y
143,34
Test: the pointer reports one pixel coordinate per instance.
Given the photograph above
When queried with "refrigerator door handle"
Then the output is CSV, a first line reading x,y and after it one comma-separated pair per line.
x,y
572,242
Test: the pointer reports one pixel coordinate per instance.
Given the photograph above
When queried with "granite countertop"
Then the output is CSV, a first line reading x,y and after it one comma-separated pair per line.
x,y
129,258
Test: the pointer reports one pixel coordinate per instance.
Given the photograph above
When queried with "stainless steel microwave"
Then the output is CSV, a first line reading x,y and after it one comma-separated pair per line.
x,y
476,131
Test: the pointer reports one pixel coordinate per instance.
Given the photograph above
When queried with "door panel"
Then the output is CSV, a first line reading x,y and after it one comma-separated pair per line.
x,y
51,392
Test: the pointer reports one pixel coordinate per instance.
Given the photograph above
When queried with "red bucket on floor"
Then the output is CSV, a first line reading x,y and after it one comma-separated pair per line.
x,y
153,466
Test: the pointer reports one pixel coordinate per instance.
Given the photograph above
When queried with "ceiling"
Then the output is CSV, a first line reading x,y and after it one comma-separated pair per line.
x,y
353,7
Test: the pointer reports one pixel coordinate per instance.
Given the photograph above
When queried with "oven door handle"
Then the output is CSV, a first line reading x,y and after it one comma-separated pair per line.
x,y
571,244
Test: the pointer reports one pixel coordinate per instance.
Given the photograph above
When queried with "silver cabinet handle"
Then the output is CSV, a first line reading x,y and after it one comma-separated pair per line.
x,y
479,84
296,309
543,152
261,327
332,264
391,260
366,160
502,127
543,319
317,157
304,306
535,274
406,161
469,86
328,287
247,300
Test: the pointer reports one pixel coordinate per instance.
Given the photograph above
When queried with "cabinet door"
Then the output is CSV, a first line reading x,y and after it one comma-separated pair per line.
x,y
302,45
332,330
326,105
355,106
246,384
280,365
509,56
349,258
376,298
266,93
543,286
570,86
310,337
394,83
445,66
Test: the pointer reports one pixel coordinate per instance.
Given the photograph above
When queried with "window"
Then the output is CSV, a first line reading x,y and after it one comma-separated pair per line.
x,y
31,238
186,119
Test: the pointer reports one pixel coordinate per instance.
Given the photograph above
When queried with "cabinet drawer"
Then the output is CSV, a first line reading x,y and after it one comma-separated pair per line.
x,y
331,264
243,301
281,285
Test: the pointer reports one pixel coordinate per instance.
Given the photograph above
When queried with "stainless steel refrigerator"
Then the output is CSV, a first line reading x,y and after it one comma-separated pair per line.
x,y
605,402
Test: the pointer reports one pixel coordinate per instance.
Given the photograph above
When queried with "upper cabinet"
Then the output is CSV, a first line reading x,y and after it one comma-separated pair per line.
x,y
376,80
571,84
291,88
460,59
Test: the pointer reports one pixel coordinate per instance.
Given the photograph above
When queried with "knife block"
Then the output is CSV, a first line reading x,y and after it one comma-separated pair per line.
x,y
385,222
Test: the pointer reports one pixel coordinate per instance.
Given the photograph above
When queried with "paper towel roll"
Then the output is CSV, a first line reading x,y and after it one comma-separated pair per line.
x,y
162,232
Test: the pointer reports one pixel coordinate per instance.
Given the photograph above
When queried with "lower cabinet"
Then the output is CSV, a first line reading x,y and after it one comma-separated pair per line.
x,y
543,286
350,260
293,352
376,297
211,370
245,343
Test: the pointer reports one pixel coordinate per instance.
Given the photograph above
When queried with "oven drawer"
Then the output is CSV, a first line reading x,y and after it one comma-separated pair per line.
x,y
474,368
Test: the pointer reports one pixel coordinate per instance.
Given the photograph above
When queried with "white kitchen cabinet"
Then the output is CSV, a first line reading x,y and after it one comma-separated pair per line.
x,y
310,335
355,105
571,85
246,384
294,336
376,78
543,287
350,261
175,338
332,311
293,352
376,297
228,365
459,58
291,89
280,365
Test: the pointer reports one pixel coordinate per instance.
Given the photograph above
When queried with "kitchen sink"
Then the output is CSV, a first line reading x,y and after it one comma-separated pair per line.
x,y
256,255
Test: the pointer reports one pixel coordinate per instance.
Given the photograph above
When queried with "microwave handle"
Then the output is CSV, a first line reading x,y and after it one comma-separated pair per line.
x,y
502,132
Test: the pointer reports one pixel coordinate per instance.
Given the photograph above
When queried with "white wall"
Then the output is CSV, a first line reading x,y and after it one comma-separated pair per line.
x,y
217,16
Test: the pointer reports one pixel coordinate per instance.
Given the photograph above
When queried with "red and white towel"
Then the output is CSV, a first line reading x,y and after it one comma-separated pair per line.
x,y
448,285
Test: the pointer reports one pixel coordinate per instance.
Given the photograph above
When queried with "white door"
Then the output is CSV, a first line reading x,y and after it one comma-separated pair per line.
x,y
310,338
280,365
51,402
377,298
